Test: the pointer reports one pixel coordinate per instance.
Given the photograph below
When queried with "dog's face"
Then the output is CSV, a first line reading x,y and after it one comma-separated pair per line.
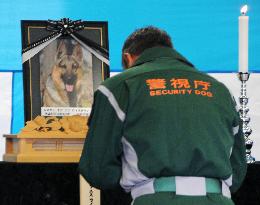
x,y
69,59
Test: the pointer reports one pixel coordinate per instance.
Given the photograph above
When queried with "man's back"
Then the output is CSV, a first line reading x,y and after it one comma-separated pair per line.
x,y
179,122
163,126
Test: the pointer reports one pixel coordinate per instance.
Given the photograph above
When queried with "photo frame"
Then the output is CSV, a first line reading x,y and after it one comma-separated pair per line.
x,y
43,73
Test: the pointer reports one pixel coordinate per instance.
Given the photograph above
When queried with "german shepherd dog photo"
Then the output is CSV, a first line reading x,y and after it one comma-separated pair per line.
x,y
66,84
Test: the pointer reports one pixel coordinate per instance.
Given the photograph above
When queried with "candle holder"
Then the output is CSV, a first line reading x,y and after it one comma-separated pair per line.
x,y
243,110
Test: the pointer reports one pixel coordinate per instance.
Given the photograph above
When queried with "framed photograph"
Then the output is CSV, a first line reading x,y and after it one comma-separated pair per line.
x,y
60,79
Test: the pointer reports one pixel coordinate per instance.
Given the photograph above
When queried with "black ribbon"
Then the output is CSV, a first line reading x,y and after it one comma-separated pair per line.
x,y
93,45
40,41
65,26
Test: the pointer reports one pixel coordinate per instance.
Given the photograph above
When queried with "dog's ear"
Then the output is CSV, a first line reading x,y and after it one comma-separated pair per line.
x,y
62,50
78,53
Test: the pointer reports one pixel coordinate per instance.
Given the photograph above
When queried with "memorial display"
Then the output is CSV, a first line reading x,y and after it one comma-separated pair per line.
x,y
63,63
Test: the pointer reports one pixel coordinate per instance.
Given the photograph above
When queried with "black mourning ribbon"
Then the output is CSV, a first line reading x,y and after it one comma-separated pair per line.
x,y
40,41
93,45
65,26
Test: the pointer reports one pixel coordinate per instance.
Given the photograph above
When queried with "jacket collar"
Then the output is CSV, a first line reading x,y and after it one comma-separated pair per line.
x,y
158,52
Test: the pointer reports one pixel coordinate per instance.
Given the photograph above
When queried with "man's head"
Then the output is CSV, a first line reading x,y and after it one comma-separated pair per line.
x,y
140,40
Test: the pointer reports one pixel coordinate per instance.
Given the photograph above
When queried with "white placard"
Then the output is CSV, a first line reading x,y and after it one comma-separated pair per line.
x,y
88,195
65,111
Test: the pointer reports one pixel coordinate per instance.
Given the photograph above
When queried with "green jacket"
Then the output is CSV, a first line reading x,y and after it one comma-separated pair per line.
x,y
162,117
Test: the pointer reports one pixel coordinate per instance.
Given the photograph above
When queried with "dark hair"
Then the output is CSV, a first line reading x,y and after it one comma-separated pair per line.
x,y
144,38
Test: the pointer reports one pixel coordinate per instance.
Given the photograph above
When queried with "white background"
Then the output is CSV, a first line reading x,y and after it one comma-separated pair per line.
x,y
229,79
253,89
5,107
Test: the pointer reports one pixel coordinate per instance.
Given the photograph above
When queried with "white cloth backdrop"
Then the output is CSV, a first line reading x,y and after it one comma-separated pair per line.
x,y
229,79
253,87
5,107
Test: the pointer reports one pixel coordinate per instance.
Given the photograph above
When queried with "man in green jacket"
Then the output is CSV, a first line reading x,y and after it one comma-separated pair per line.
x,y
163,130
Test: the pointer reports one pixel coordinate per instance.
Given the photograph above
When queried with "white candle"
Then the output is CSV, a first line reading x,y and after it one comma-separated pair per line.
x,y
243,40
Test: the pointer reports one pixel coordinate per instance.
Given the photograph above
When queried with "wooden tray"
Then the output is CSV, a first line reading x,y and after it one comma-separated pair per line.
x,y
21,148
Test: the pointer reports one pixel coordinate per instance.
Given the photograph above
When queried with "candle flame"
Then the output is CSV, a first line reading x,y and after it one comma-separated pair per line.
x,y
244,10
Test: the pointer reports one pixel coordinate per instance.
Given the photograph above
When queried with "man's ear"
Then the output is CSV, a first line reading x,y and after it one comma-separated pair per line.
x,y
129,59
126,59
